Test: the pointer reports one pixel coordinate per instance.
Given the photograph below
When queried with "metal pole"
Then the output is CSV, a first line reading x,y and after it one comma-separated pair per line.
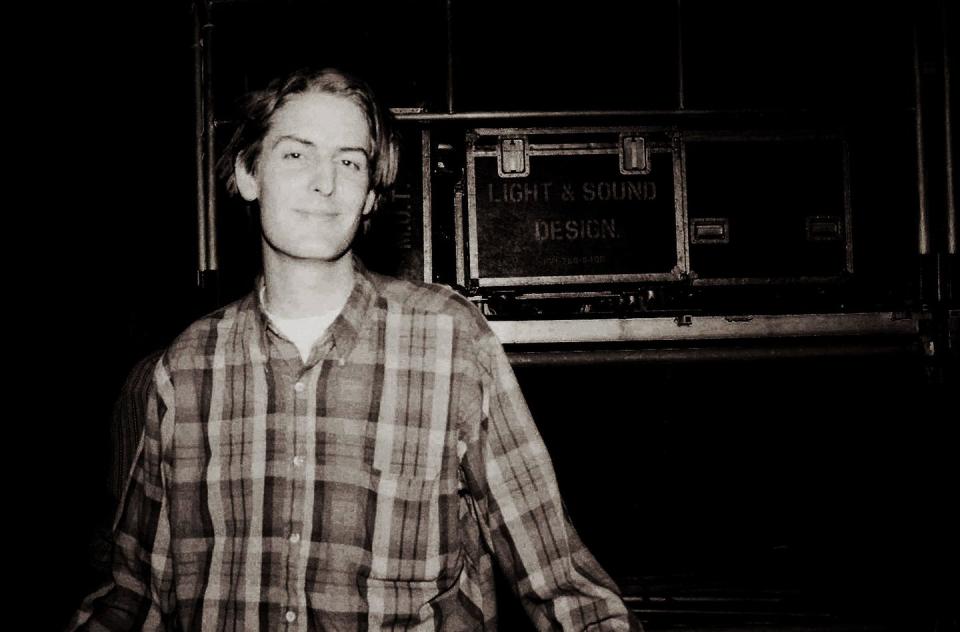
x,y
593,357
924,235
948,140
449,16
682,100
211,214
424,117
198,138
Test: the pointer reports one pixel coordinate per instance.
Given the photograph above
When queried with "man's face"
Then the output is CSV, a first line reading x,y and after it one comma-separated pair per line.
x,y
312,178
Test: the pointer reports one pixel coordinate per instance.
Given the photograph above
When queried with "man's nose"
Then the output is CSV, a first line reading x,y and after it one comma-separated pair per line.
x,y
324,178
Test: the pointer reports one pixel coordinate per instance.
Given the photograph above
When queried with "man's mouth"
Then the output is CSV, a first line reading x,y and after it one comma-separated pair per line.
x,y
319,213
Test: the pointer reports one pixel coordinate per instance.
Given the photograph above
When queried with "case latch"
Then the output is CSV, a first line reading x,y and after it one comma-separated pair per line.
x,y
512,158
633,154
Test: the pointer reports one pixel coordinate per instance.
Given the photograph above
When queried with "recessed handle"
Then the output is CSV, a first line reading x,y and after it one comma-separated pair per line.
x,y
710,230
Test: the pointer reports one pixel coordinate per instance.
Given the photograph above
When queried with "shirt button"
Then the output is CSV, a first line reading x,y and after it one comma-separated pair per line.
x,y
294,538
299,387
298,460
291,616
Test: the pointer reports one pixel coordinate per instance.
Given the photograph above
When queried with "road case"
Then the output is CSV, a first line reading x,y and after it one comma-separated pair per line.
x,y
767,208
571,207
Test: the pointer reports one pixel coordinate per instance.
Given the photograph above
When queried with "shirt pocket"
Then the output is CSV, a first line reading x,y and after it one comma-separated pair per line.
x,y
410,602
416,535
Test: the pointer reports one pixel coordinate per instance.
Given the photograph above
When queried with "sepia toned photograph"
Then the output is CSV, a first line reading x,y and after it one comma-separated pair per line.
x,y
461,315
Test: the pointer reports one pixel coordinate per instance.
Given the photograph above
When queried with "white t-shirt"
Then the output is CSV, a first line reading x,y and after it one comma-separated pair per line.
x,y
302,332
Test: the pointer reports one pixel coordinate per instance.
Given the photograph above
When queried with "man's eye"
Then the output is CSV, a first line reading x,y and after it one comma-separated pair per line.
x,y
292,155
346,162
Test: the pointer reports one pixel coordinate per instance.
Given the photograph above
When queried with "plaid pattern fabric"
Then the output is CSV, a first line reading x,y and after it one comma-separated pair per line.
x,y
371,487
126,426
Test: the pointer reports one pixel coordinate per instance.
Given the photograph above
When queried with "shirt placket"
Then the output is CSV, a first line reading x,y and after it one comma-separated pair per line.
x,y
301,467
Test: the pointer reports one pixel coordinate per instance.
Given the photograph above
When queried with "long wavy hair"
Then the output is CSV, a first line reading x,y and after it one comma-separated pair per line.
x,y
257,109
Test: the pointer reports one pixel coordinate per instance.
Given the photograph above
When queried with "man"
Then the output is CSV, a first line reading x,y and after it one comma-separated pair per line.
x,y
338,450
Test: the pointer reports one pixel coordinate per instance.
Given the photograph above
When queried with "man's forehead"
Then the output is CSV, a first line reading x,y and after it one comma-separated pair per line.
x,y
321,119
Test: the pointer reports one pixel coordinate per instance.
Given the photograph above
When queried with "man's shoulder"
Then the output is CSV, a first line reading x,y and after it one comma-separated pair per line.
x,y
418,297
195,341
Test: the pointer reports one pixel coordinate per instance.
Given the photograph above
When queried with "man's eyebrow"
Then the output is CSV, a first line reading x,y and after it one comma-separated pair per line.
x,y
302,141
362,150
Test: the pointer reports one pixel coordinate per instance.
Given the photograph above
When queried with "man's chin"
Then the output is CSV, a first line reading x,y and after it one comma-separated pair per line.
x,y
309,253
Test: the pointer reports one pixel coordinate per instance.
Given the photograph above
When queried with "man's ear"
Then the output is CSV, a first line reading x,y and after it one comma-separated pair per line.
x,y
370,203
246,182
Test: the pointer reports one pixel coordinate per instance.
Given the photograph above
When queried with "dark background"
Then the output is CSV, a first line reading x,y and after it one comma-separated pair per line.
x,y
823,486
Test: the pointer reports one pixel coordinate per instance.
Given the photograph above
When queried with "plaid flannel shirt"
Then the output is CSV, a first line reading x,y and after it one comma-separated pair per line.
x,y
371,487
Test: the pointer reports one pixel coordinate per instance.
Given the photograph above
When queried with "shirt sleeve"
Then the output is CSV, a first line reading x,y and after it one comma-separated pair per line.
x,y
139,595
126,424
511,479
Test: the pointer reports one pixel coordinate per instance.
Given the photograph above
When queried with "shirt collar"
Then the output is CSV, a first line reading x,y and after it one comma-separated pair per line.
x,y
348,325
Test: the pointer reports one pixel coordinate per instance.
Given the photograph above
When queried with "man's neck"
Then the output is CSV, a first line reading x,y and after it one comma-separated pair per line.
x,y
299,288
